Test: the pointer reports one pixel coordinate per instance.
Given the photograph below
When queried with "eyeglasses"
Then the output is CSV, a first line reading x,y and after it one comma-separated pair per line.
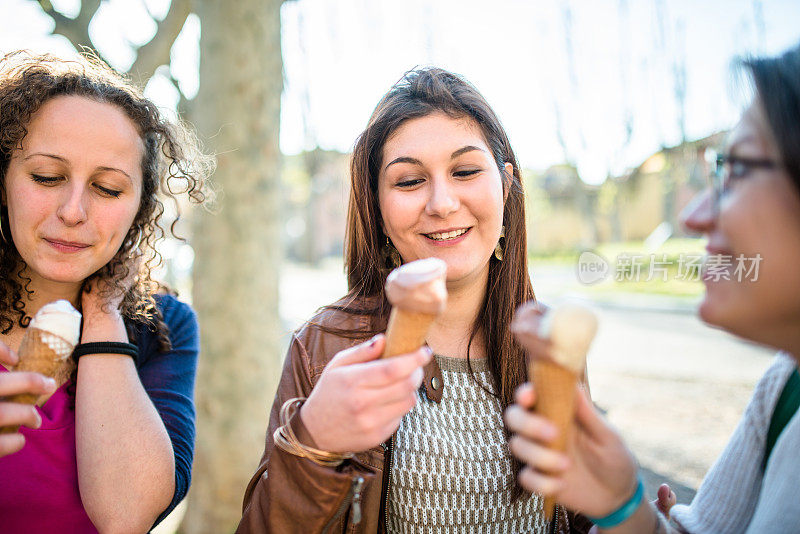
x,y
730,168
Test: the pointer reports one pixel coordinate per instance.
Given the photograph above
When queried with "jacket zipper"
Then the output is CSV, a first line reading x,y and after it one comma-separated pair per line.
x,y
355,509
353,498
386,489
554,524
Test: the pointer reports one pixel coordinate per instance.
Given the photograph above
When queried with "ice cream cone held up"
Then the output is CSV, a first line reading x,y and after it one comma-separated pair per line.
x,y
570,328
418,295
46,347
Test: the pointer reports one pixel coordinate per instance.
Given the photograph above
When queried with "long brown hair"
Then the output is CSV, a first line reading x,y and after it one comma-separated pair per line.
x,y
173,164
421,92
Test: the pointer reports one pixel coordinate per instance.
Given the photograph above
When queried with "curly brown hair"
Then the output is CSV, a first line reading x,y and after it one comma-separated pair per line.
x,y
173,165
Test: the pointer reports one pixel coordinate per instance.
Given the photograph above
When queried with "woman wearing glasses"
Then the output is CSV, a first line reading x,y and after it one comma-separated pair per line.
x,y
753,209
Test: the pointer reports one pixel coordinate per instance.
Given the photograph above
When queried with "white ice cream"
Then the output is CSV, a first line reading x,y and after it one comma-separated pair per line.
x,y
571,327
60,319
418,286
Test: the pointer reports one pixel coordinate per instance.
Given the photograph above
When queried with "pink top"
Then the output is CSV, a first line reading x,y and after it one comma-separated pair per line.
x,y
39,484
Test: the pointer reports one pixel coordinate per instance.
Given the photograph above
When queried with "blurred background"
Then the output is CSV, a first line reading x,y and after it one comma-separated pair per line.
x,y
615,108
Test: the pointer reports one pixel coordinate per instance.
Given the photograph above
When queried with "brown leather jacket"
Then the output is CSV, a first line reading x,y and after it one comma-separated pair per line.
x,y
289,494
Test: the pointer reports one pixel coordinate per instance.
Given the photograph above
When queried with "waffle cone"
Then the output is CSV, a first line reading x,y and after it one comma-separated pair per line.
x,y
44,353
406,331
555,400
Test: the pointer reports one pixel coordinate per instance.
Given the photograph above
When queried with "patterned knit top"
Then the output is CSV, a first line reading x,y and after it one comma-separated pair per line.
x,y
451,470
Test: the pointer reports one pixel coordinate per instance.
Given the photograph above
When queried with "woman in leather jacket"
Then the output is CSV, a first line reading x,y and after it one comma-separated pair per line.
x,y
415,441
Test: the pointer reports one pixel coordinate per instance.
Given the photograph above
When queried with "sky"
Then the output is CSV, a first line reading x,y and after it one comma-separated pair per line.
x,y
590,82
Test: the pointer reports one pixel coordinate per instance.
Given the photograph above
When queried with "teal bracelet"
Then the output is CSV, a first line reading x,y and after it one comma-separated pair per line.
x,y
622,513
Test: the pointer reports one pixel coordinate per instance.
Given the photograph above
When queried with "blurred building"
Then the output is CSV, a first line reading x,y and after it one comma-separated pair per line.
x,y
566,214
317,188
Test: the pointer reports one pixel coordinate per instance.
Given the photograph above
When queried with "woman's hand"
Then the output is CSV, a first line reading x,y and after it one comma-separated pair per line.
x,y
665,500
359,400
15,414
596,475
102,320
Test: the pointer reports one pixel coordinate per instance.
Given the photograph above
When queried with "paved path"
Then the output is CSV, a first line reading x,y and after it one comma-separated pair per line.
x,y
674,387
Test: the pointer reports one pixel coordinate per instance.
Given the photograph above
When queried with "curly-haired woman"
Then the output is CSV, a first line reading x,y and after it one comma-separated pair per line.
x,y
85,160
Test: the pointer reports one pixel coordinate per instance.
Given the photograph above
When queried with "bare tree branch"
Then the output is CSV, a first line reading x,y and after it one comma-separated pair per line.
x,y
155,52
149,56
77,29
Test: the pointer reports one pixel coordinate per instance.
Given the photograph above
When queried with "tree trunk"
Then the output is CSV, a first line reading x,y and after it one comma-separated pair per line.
x,y
238,251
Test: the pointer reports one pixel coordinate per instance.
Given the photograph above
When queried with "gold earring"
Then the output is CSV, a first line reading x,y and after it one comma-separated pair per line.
x,y
498,248
391,258
2,234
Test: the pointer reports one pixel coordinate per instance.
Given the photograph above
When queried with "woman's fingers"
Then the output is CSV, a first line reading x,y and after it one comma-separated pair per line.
x,y
11,443
534,455
390,428
363,352
400,408
8,357
16,414
535,346
403,390
359,396
666,499
22,382
389,371
523,422
589,419
526,325
537,482
525,395
12,414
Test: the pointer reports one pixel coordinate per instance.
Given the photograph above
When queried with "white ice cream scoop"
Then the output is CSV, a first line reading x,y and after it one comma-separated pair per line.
x,y
60,319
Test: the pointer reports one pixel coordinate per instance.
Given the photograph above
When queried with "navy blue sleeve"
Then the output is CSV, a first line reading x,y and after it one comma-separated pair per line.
x,y
168,378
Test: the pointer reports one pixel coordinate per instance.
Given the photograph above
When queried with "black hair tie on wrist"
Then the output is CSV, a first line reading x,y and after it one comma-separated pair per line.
x,y
106,347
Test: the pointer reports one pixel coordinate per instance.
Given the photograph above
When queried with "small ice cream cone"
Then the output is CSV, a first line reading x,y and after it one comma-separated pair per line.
x,y
45,348
555,391
406,331
418,295
44,353
570,328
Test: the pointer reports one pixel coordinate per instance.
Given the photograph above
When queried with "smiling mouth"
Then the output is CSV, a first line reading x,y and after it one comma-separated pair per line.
x,y
66,246
447,236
